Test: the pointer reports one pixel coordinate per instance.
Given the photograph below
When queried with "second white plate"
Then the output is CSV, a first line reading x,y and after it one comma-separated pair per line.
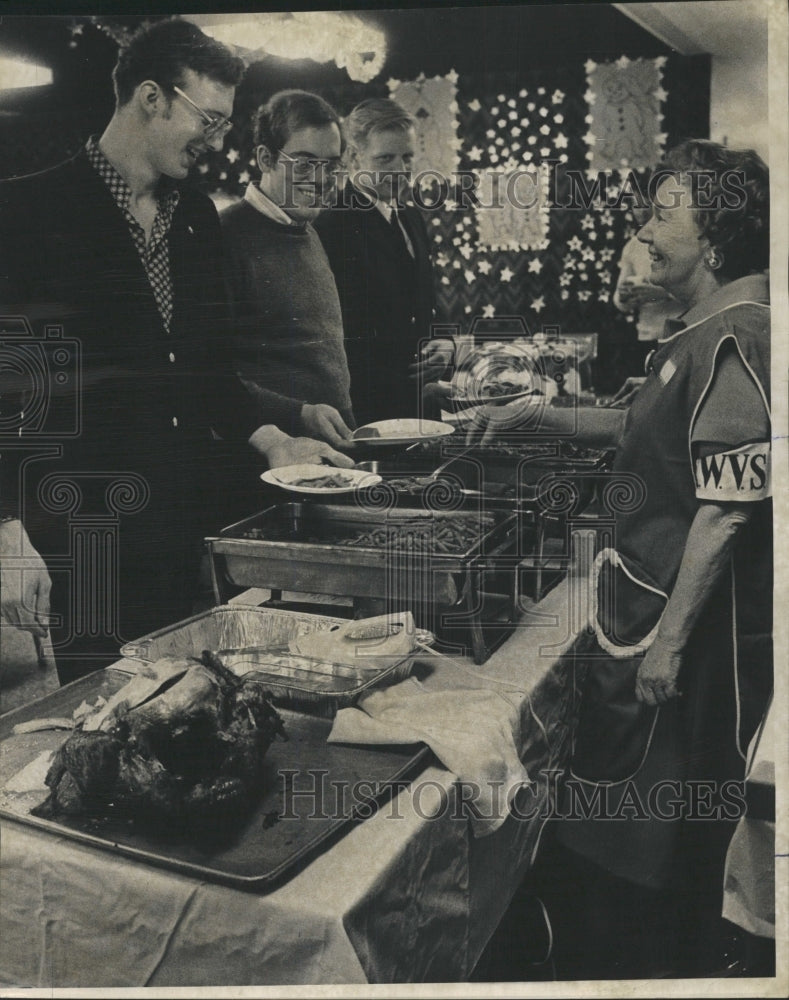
x,y
297,479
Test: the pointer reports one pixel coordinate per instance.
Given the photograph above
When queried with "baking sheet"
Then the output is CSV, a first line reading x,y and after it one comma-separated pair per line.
x,y
316,791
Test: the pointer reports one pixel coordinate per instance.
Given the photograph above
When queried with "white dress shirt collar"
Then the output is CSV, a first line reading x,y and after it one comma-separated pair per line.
x,y
266,206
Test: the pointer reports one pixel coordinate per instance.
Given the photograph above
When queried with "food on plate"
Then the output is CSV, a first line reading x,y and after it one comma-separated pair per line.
x,y
334,481
189,753
506,387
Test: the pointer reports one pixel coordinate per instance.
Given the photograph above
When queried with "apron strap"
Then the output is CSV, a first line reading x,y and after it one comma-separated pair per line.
x,y
616,651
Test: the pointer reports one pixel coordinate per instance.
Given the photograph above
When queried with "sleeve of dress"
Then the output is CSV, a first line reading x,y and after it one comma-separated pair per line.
x,y
730,437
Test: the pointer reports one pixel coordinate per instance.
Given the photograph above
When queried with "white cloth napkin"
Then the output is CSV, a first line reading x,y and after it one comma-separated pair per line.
x,y
472,731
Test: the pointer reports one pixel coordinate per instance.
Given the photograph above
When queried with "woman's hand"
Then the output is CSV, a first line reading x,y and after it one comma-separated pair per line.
x,y
627,391
634,294
24,582
656,680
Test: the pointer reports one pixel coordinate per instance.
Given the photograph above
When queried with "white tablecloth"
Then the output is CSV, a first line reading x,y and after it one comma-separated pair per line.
x,y
408,895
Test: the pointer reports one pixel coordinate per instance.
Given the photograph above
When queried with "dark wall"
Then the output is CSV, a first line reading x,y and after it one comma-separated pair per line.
x,y
41,127
493,49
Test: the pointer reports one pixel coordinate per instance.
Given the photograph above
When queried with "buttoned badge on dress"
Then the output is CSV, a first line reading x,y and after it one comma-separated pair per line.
x,y
667,372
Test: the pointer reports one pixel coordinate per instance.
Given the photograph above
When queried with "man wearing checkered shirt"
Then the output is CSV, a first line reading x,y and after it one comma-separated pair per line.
x,y
113,251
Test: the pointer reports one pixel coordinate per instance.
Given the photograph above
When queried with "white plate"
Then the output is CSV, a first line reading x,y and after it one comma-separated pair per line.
x,y
402,431
287,478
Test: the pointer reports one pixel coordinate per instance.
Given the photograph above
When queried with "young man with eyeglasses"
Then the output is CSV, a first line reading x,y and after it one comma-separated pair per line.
x,y
379,251
114,252
286,311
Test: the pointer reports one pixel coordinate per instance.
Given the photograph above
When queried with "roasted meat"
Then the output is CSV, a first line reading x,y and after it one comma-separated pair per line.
x,y
192,752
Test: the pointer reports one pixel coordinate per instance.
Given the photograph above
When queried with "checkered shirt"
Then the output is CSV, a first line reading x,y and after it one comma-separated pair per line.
x,y
155,254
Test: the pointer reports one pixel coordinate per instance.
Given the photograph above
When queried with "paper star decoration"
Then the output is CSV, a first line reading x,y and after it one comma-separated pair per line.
x,y
489,312
535,266
538,304
507,274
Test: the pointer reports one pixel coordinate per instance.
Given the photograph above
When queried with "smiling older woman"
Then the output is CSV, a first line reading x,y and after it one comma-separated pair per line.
x,y
676,675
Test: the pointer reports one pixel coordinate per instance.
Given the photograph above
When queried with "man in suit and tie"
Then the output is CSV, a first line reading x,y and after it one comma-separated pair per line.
x,y
379,251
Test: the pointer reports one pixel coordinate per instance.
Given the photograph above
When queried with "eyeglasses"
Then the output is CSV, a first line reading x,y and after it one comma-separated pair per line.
x,y
304,165
215,125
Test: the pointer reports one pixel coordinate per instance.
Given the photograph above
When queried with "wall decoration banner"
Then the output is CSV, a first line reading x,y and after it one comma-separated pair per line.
x,y
513,209
625,121
433,103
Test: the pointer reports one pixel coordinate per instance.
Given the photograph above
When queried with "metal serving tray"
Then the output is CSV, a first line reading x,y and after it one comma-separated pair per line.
x,y
297,547
316,791
229,626
520,474
253,642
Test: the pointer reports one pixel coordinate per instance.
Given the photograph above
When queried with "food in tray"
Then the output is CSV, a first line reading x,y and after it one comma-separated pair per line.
x,y
411,484
189,751
422,535
446,536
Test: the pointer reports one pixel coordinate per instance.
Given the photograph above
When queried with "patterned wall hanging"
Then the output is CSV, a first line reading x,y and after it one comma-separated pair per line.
x,y
433,103
625,122
513,208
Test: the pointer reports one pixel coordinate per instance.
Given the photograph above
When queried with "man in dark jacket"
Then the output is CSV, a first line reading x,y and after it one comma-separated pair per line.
x,y
118,270
379,251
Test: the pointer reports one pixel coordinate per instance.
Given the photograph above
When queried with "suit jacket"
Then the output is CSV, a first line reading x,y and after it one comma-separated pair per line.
x,y
130,404
387,299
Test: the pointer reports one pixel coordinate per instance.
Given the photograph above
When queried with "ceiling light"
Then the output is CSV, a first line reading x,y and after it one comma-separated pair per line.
x,y
16,73
323,36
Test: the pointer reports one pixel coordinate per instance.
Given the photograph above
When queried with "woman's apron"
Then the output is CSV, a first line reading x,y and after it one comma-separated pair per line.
x,y
639,772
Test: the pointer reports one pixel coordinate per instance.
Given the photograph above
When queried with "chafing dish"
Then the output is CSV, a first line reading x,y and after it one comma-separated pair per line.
x,y
448,567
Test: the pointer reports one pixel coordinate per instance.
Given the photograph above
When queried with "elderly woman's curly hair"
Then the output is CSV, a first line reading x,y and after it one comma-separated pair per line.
x,y
731,201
